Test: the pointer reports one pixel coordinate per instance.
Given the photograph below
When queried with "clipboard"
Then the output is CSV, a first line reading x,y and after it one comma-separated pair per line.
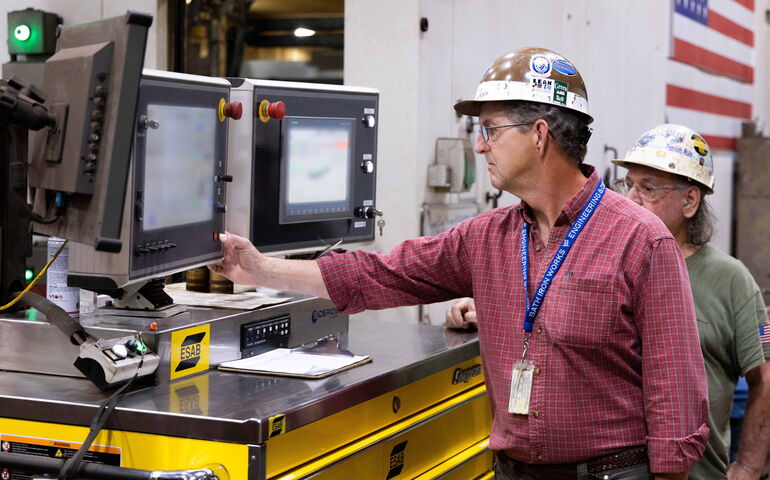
x,y
287,362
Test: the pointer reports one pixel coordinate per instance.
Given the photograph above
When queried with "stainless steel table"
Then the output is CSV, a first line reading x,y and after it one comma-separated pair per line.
x,y
414,368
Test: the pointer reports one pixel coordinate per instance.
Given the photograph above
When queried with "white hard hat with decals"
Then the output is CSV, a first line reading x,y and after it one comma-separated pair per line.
x,y
674,149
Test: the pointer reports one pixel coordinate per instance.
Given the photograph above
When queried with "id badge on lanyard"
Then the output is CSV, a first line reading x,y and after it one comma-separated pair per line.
x,y
523,370
521,385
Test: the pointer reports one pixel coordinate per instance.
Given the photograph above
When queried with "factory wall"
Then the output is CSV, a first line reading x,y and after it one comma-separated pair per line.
x,y
620,48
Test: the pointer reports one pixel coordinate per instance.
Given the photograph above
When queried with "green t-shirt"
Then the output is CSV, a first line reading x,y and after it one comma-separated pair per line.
x,y
729,308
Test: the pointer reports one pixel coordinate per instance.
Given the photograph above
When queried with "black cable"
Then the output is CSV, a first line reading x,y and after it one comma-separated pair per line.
x,y
51,466
37,218
57,316
72,465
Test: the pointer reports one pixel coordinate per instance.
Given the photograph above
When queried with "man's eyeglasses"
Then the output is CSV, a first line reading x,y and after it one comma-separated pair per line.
x,y
647,190
487,131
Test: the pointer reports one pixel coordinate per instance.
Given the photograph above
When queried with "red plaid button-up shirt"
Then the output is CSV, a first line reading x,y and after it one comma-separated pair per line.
x,y
615,345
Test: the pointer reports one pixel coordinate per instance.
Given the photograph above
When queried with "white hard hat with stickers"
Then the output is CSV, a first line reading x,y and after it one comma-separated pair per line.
x,y
674,149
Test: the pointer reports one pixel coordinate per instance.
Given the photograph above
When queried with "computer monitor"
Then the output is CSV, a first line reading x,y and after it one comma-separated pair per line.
x,y
176,194
307,180
79,167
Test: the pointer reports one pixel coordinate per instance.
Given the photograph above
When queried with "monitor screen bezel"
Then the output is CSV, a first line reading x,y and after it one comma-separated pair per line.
x,y
194,242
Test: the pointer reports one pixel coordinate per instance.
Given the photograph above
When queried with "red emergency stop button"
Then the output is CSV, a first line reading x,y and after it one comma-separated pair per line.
x,y
268,110
234,110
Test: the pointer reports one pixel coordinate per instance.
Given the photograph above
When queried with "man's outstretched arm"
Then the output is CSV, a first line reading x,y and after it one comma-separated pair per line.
x,y
245,265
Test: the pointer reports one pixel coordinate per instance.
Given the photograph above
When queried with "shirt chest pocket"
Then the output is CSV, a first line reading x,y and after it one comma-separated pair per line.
x,y
584,312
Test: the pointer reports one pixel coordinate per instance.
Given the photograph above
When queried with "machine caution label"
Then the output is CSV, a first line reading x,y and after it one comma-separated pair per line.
x,y
190,351
44,447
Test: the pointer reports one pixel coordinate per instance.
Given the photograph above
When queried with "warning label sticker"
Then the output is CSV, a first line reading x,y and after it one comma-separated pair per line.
x,y
44,447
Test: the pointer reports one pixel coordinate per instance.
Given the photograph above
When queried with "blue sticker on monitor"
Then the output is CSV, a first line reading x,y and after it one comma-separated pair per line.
x,y
564,67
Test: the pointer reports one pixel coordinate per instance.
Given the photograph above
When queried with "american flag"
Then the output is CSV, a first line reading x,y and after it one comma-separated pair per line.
x,y
764,333
710,71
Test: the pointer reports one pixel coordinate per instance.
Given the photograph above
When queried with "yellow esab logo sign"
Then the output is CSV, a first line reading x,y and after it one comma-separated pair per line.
x,y
277,425
190,351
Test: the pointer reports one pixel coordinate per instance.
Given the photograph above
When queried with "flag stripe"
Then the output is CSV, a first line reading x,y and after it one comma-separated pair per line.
x,y
733,11
708,39
727,27
693,55
703,102
717,142
705,123
749,4
688,76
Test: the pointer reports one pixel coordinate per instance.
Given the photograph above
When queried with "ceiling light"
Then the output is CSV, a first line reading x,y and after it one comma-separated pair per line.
x,y
304,32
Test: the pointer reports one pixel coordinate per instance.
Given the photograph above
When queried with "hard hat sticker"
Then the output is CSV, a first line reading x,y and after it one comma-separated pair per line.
x,y
542,85
700,145
560,93
540,65
564,67
542,89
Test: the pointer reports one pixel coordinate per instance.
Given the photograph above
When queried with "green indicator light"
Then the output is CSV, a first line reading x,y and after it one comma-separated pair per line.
x,y
22,33
28,274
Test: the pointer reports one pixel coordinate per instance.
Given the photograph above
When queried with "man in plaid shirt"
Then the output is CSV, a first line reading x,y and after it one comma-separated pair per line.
x,y
593,372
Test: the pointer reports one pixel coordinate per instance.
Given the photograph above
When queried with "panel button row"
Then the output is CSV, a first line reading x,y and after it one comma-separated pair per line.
x,y
154,247
99,100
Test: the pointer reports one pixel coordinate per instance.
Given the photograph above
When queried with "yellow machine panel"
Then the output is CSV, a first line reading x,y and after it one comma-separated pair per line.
x,y
289,450
407,448
472,463
138,450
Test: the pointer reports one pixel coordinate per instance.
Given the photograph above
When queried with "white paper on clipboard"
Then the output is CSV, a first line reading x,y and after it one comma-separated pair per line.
x,y
291,363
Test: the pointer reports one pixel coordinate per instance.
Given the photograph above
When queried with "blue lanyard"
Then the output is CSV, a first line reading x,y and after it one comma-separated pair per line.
x,y
558,258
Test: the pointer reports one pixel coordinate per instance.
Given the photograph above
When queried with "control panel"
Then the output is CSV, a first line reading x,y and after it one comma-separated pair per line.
x,y
263,335
112,362
308,179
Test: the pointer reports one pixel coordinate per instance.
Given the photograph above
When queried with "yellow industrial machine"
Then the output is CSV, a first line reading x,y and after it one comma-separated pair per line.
x,y
418,411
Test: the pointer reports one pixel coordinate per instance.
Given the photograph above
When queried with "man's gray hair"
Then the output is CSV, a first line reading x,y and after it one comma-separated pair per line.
x,y
569,128
700,227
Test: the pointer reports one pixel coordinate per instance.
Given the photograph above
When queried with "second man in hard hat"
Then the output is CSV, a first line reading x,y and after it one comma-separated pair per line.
x,y
670,172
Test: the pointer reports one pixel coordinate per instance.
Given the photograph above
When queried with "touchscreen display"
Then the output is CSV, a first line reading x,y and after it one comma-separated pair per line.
x,y
316,169
179,166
